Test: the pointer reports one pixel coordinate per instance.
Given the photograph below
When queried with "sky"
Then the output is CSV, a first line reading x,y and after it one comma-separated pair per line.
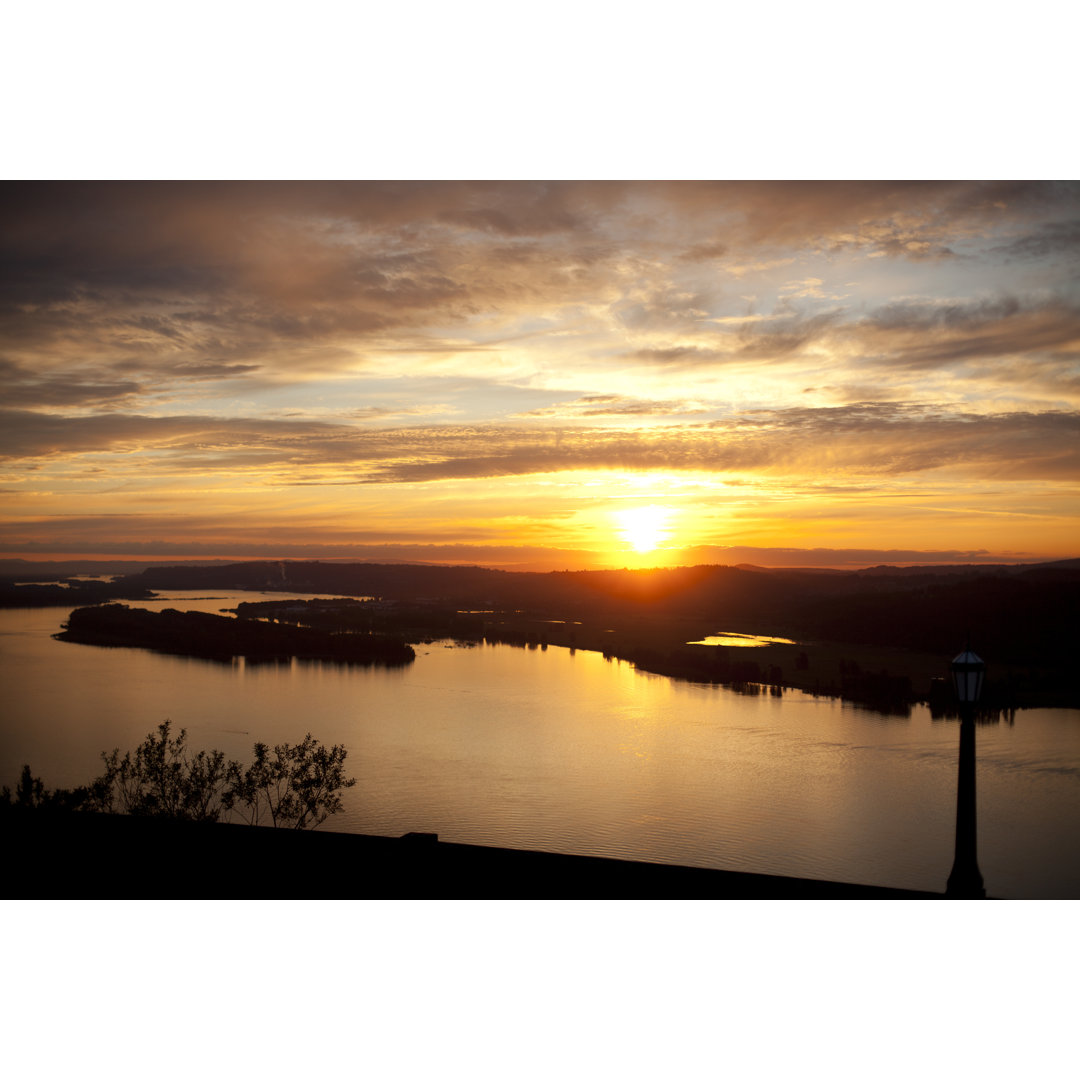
x,y
541,375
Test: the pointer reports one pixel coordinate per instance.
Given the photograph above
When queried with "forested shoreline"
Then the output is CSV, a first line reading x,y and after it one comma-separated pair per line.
x,y
216,637
880,637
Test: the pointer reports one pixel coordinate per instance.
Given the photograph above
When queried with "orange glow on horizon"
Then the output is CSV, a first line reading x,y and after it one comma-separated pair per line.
x,y
545,375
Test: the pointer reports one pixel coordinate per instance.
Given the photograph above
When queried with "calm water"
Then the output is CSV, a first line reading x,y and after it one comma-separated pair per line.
x,y
568,752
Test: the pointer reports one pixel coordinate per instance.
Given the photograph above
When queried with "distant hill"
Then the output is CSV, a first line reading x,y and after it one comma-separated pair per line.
x,y
968,569
882,636
1027,613
26,570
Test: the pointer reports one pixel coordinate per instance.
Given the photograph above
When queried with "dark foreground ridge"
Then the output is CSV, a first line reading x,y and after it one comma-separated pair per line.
x,y
98,856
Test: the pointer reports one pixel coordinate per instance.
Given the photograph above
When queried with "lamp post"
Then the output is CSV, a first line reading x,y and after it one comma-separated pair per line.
x,y
965,881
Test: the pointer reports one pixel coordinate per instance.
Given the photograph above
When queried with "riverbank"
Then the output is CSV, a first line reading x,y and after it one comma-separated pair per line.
x,y
889,680
879,638
528,749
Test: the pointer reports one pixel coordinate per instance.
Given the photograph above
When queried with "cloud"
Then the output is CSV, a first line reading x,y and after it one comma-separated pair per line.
x,y
165,338
615,405
1049,241
24,388
27,434
264,540
688,355
779,336
226,280
704,252
866,439
190,277
211,370
922,316
1040,336
925,335
912,220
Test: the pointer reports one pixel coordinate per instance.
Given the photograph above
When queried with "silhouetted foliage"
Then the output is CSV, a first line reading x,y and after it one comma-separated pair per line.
x,y
296,787
198,633
163,779
1025,616
68,593
31,794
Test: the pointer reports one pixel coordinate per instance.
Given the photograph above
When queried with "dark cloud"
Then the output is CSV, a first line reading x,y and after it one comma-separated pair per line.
x,y
916,315
29,434
779,336
461,299
920,335
211,370
704,252
909,219
192,274
1059,238
897,438
202,273
679,354
266,540
783,337
866,438
906,335
185,233
27,389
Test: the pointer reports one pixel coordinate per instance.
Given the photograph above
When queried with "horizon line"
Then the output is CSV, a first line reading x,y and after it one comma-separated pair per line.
x,y
762,558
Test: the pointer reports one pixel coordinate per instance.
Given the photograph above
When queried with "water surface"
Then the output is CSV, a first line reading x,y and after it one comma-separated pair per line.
x,y
563,751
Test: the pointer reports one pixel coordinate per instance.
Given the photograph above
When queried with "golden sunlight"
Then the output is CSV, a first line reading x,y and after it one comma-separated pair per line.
x,y
644,527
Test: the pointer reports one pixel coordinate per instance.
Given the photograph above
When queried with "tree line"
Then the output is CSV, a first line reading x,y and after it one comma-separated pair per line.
x,y
288,786
215,637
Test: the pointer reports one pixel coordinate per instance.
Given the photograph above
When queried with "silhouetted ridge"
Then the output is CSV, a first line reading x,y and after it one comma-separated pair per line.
x,y
860,634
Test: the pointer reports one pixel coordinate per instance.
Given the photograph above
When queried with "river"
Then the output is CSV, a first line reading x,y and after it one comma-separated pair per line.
x,y
566,751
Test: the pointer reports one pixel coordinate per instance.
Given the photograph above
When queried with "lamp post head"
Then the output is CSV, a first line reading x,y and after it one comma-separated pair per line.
x,y
967,674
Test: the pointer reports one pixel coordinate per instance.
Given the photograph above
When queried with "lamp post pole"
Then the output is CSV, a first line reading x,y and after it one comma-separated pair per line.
x,y
965,880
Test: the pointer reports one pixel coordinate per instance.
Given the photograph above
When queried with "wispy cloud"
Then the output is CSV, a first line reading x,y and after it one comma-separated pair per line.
x,y
615,406
860,439
303,335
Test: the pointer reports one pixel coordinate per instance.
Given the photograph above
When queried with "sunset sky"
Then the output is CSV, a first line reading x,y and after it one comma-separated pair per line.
x,y
542,375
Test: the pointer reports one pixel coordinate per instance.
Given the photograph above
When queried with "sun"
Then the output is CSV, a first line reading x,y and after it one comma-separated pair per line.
x,y
645,528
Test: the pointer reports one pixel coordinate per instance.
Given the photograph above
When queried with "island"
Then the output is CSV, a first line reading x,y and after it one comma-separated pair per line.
x,y
67,592
881,637
218,637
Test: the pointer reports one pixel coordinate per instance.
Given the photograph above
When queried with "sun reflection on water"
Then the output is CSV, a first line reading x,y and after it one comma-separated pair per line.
x,y
742,640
